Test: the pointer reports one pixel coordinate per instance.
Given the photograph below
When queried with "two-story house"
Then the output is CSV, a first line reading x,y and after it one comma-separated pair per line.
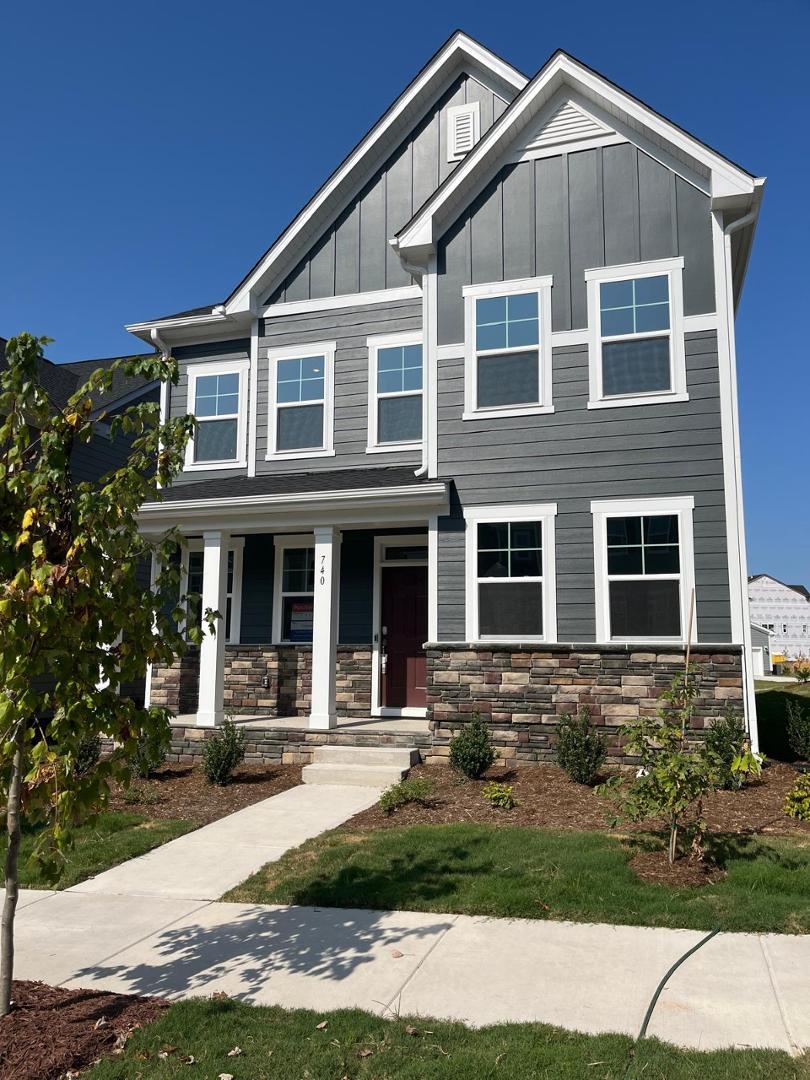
x,y
467,433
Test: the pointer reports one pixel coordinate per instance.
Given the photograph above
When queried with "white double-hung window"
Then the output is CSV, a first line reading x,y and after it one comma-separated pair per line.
x,y
395,392
507,348
192,584
635,322
217,396
510,573
294,589
301,401
644,569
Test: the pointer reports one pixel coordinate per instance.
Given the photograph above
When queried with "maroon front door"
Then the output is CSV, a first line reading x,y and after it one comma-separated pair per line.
x,y
403,627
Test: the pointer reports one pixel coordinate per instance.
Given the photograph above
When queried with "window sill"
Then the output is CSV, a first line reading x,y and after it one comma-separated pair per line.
x,y
392,448
208,466
518,410
642,399
292,455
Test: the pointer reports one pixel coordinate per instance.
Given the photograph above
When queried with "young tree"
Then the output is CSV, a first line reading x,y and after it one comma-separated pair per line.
x,y
74,619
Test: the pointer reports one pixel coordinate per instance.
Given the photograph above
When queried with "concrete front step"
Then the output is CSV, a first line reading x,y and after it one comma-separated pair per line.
x,y
401,757
369,776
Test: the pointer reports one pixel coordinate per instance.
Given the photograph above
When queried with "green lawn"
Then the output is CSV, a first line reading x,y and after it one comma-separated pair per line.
x,y
536,874
113,838
279,1045
772,701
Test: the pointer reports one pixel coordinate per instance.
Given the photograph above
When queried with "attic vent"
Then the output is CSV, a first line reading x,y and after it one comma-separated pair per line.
x,y
567,124
463,130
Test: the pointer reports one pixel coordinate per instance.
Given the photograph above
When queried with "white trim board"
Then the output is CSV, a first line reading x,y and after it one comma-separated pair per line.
x,y
380,542
344,300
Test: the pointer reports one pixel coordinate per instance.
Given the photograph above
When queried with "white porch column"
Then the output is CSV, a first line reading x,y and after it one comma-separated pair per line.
x,y
325,627
210,704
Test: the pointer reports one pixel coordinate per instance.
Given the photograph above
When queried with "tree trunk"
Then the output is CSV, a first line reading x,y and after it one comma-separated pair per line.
x,y
673,842
12,882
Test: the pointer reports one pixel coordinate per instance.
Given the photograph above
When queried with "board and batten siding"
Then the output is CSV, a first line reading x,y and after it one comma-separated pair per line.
x,y
187,356
563,215
575,455
350,328
354,254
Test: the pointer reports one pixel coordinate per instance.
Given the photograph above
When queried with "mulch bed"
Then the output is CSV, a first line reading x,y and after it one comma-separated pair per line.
x,y
181,791
653,866
547,798
52,1032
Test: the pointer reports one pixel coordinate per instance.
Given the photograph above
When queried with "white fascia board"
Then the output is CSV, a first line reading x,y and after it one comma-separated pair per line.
x,y
192,328
563,71
458,48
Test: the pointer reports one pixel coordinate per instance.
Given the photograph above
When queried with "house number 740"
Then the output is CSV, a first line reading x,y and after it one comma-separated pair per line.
x,y
323,569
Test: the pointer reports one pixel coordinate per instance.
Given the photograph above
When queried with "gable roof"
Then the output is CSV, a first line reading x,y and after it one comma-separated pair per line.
x,y
729,185
800,589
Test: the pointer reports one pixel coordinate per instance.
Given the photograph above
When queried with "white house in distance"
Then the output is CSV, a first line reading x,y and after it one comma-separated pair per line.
x,y
785,610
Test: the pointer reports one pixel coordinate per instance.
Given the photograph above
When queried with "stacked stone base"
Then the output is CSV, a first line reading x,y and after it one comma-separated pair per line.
x,y
522,692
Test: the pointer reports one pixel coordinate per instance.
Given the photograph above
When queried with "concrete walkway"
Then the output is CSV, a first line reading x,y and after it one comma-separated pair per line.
x,y
206,863
738,990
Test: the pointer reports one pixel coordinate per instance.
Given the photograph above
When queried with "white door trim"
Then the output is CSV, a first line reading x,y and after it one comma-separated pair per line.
x,y
381,542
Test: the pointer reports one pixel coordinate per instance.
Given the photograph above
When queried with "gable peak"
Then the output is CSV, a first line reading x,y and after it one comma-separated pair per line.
x,y
567,123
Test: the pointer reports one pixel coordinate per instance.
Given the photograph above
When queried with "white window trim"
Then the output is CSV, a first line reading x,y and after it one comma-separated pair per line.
x,y
475,515
673,269
219,367
374,344
281,543
327,350
473,108
603,509
471,293
236,544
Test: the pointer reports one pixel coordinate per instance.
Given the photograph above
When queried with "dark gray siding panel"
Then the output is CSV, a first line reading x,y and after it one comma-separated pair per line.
x,y
406,180
349,327
575,455
178,395
102,455
258,566
592,208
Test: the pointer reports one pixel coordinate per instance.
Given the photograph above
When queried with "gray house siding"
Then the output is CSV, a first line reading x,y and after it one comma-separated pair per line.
x,y
354,255
566,214
349,327
187,355
575,455
92,460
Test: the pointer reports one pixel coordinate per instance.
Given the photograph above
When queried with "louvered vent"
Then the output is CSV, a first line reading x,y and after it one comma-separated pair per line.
x,y
463,126
566,125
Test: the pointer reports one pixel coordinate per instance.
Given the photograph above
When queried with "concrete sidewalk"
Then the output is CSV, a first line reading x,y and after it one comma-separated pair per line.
x,y
206,863
738,990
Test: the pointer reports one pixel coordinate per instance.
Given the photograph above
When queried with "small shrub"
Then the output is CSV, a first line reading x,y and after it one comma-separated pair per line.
x,y
581,749
472,751
87,756
140,796
223,752
797,800
150,754
499,795
726,740
798,729
417,790
802,672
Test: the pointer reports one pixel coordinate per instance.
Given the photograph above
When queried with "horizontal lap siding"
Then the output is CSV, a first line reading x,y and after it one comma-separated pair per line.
x,y
188,355
350,328
563,215
575,455
354,254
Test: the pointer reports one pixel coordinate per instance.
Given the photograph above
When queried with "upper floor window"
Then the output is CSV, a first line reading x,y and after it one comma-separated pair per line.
x,y
216,397
644,569
300,399
507,348
510,592
395,392
635,319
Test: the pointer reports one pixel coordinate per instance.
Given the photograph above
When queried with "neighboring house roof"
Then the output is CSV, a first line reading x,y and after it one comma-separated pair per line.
x,y
299,483
61,381
800,589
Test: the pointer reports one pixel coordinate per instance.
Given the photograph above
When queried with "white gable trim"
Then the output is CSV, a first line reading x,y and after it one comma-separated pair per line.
x,y
458,48
563,75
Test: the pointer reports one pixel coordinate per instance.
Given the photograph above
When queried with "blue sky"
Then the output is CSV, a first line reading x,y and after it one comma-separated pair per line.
x,y
152,151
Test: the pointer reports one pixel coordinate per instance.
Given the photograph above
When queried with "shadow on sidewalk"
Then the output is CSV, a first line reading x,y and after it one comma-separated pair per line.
x,y
259,944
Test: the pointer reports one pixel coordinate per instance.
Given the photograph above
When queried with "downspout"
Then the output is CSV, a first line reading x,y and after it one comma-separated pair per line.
x,y
418,272
749,695
165,353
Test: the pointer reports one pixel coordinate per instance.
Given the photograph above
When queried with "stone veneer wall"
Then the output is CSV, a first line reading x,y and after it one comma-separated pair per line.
x,y
287,671
523,690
